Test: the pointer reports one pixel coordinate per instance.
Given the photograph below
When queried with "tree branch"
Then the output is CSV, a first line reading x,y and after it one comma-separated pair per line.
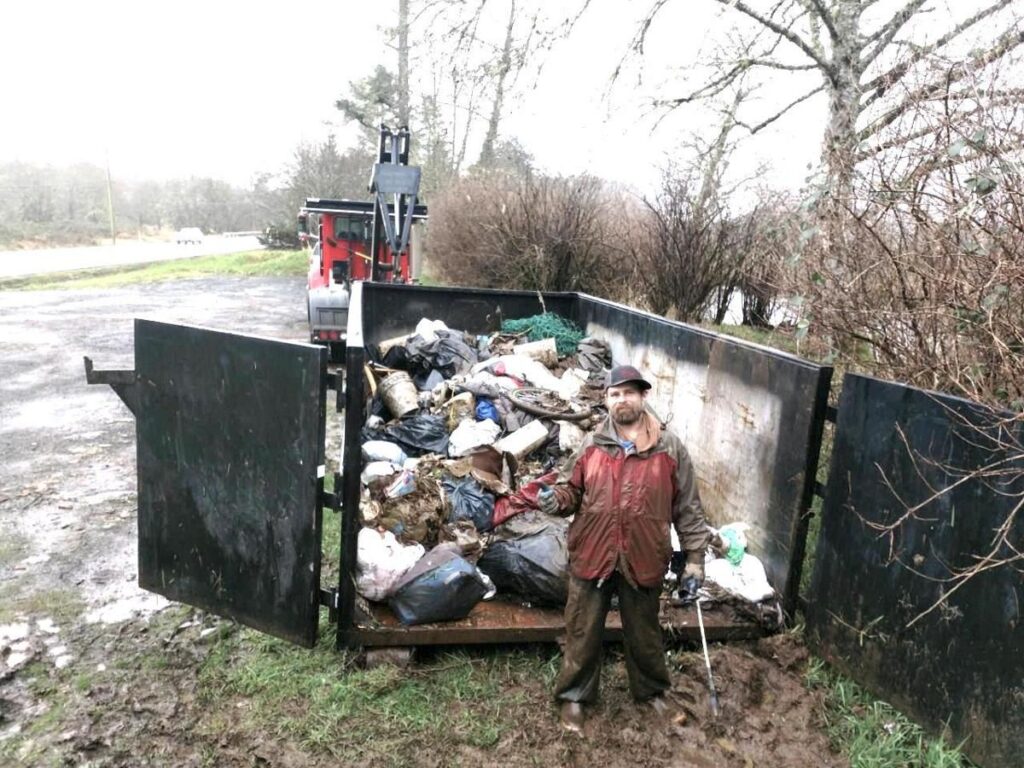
x,y
877,86
888,31
1006,43
780,113
824,65
826,17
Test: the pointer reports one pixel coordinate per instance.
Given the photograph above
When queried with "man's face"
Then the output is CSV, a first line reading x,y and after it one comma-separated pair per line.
x,y
625,403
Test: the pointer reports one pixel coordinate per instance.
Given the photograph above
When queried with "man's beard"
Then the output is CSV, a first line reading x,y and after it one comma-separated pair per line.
x,y
626,414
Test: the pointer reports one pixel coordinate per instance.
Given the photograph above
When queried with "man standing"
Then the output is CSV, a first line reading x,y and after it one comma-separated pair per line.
x,y
628,482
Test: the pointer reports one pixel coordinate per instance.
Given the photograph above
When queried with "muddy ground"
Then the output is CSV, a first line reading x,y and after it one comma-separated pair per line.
x,y
78,638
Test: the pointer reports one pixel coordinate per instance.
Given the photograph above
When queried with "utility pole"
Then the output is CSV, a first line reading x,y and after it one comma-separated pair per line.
x,y
110,204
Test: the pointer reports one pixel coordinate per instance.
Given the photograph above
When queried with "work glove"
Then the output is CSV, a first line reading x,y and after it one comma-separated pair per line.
x,y
694,567
547,501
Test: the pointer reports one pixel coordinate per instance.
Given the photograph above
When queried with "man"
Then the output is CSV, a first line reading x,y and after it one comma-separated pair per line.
x,y
628,482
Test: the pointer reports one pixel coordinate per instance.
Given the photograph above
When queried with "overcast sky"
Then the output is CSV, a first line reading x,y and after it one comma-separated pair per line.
x,y
226,89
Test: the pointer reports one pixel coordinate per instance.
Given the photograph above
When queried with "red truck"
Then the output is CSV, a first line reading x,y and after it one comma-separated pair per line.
x,y
360,239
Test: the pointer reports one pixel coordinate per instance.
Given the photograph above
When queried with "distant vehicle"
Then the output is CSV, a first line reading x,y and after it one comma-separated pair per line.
x,y
189,236
279,237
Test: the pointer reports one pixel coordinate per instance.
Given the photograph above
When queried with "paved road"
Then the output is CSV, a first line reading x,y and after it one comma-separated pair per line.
x,y
36,262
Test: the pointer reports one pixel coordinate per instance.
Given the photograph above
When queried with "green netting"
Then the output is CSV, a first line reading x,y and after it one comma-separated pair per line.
x,y
567,336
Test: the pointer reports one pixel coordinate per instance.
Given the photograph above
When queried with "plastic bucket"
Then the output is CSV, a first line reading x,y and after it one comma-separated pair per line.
x,y
399,394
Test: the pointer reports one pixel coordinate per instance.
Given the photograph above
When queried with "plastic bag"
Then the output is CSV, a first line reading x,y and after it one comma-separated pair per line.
x,y
748,579
469,501
383,450
381,562
485,410
534,566
428,328
417,435
470,435
735,536
447,353
404,484
376,469
442,586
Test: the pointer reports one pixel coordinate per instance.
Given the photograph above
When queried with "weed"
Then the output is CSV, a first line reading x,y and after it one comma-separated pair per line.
x,y
379,715
12,549
61,605
871,732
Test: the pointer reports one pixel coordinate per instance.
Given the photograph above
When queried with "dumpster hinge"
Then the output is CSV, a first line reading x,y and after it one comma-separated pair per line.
x,y
333,500
329,598
121,381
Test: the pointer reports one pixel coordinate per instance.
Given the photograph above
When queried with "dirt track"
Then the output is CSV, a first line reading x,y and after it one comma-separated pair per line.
x,y
72,619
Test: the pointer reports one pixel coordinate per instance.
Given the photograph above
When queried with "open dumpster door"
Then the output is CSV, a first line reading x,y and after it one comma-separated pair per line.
x,y
230,452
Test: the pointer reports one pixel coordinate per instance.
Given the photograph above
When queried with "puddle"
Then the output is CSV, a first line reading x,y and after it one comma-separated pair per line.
x,y
139,605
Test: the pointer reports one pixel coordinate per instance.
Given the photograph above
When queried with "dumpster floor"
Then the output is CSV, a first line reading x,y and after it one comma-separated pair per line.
x,y
500,621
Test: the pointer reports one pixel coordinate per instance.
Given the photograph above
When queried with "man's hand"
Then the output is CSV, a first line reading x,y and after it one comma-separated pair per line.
x,y
694,570
547,501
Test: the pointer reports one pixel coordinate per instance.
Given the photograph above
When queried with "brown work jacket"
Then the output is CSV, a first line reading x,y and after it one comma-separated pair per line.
x,y
624,505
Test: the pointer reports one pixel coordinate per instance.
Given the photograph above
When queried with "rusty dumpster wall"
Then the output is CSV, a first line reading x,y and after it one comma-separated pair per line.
x,y
750,416
885,604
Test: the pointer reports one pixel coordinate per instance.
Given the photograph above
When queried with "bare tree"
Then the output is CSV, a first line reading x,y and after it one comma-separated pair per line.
x,y
478,51
868,57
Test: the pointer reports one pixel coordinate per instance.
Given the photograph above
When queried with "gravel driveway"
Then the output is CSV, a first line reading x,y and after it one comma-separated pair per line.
x,y
67,478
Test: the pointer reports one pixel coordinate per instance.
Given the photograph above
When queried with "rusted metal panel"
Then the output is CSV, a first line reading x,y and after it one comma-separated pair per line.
x,y
230,436
919,487
499,621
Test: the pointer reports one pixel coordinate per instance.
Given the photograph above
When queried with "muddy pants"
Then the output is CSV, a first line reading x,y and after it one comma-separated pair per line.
x,y
585,614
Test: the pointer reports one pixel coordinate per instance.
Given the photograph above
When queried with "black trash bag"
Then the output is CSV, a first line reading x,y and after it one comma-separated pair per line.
x,y
442,586
396,357
534,562
448,354
469,501
418,434
426,383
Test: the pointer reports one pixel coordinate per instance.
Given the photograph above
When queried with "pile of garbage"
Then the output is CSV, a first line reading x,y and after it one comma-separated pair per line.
x,y
464,431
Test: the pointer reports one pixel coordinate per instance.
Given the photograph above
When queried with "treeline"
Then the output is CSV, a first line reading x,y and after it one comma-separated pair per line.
x,y
49,205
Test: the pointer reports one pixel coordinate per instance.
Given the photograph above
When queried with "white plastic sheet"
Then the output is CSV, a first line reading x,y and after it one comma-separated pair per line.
x,y
381,561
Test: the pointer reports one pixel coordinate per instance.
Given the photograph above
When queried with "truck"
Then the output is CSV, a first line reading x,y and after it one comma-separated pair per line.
x,y
360,239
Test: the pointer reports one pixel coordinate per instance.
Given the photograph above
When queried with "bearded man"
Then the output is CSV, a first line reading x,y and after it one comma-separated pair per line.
x,y
630,480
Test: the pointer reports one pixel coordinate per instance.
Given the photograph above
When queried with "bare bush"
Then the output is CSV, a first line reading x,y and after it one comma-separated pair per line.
x,y
927,284
691,255
531,232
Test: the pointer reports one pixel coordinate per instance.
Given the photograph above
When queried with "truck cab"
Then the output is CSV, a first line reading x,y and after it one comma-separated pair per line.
x,y
356,240
340,233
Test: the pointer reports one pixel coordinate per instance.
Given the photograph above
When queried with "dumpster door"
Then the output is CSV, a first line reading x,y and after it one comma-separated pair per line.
x,y
230,446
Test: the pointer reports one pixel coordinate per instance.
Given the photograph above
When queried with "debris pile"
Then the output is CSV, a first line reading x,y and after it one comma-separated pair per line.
x,y
461,429
463,433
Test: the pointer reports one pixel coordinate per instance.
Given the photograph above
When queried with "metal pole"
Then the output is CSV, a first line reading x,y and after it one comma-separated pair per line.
x,y
707,661
110,204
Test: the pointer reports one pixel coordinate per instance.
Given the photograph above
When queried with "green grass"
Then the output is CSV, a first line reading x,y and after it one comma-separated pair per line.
x,y
61,605
766,337
13,548
870,732
379,716
28,747
263,263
